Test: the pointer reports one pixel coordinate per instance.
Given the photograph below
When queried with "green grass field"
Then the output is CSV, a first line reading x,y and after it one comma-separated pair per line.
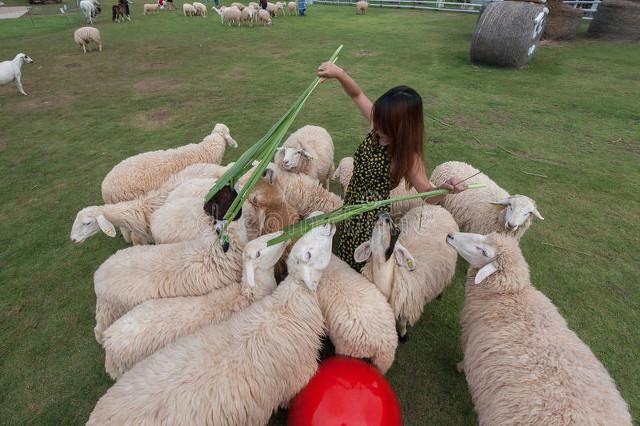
x,y
165,80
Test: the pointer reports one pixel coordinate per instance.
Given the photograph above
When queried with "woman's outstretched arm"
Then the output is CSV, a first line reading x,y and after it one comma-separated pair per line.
x,y
328,70
420,181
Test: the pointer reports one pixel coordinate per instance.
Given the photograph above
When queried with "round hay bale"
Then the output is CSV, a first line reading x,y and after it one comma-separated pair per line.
x,y
616,20
507,33
563,22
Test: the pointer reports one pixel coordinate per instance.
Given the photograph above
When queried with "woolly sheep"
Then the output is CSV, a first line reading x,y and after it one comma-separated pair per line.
x,y
292,7
309,150
522,363
264,16
191,268
359,320
271,8
188,9
144,172
305,193
156,323
361,7
90,9
85,35
239,6
200,8
411,264
279,7
253,4
343,173
11,71
148,8
488,209
248,15
237,372
229,15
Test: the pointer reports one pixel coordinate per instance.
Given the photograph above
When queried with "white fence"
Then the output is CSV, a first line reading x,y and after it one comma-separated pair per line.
x,y
589,6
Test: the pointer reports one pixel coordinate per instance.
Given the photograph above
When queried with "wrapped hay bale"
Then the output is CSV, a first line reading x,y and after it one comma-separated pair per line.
x,y
563,22
507,33
617,20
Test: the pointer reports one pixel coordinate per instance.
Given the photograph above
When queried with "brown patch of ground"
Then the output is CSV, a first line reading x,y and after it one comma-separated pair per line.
x,y
33,104
73,65
3,146
361,53
157,85
153,66
152,120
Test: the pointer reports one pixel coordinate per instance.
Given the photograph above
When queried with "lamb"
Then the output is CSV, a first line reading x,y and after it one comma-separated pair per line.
x,y
85,35
237,372
144,172
11,71
156,323
90,9
200,8
305,193
148,8
188,9
359,320
292,7
248,15
229,14
309,150
522,363
411,264
487,209
265,17
191,268
361,7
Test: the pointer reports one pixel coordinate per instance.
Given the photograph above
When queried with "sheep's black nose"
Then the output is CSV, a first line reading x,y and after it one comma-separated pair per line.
x,y
449,237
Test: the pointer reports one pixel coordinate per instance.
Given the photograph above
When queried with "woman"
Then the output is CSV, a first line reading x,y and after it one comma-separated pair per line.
x,y
390,152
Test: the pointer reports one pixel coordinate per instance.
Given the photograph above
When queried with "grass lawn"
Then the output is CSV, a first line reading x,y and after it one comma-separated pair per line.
x,y
165,80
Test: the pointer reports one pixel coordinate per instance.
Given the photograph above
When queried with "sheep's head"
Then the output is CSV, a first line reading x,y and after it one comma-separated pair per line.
x,y
271,208
383,244
311,255
293,159
223,131
257,255
344,172
23,57
490,254
89,221
519,210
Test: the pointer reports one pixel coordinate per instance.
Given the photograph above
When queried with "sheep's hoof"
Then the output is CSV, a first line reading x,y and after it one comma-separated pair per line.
x,y
403,338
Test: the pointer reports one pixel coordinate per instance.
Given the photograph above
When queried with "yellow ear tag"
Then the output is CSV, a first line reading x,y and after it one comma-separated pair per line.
x,y
498,206
111,233
410,263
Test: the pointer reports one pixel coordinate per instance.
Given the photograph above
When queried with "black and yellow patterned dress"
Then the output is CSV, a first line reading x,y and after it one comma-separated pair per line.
x,y
371,181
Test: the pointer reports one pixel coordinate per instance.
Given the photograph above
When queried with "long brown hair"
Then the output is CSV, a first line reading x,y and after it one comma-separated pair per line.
x,y
398,114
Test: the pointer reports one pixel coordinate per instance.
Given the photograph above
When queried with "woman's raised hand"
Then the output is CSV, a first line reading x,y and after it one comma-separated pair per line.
x,y
452,186
328,70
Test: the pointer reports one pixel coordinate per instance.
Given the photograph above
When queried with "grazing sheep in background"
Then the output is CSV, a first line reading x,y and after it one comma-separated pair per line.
x,y
85,35
254,5
361,7
11,71
411,264
144,172
191,268
90,9
488,209
229,15
120,11
271,8
156,323
239,6
309,150
265,17
249,15
280,7
359,320
304,193
522,363
292,7
200,8
148,8
188,9
237,372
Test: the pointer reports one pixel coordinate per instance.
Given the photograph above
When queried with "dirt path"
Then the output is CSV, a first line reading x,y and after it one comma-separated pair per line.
x,y
8,12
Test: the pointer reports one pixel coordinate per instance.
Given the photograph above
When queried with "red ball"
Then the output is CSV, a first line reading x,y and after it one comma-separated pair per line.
x,y
345,392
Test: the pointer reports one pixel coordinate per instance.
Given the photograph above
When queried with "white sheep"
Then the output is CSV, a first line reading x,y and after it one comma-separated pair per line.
x,y
279,7
359,320
361,7
271,8
411,264
200,8
264,16
188,9
304,193
11,71
156,323
254,5
522,363
249,15
191,268
230,15
237,372
90,9
292,7
309,150
144,172
488,209
239,6
85,35
343,173
148,8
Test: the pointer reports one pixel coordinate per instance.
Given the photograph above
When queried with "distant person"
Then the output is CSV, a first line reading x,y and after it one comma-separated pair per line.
x,y
302,6
263,4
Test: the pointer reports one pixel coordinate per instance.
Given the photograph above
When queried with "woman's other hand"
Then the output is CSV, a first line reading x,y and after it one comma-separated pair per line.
x,y
328,70
453,187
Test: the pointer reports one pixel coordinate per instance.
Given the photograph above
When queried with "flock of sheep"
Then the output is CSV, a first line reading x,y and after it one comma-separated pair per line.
x,y
195,334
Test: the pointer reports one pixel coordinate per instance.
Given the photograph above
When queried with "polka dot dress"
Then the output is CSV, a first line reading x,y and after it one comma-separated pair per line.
x,y
371,181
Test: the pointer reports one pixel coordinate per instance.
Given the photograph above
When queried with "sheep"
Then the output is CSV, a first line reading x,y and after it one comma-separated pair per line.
x,y
156,323
239,6
343,173
229,14
522,363
85,35
292,7
359,320
411,264
90,9
144,172
148,8
305,193
361,7
11,71
488,209
309,150
191,268
271,8
279,7
264,16
253,5
188,9
200,8
248,15
237,372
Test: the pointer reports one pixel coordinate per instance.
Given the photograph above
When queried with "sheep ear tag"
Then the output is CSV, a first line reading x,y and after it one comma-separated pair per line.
x,y
106,226
484,272
404,258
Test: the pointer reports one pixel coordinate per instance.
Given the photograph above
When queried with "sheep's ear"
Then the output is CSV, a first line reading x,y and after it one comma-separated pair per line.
x,y
484,272
106,226
231,142
404,258
280,149
268,173
250,273
363,252
501,203
306,153
308,279
537,214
